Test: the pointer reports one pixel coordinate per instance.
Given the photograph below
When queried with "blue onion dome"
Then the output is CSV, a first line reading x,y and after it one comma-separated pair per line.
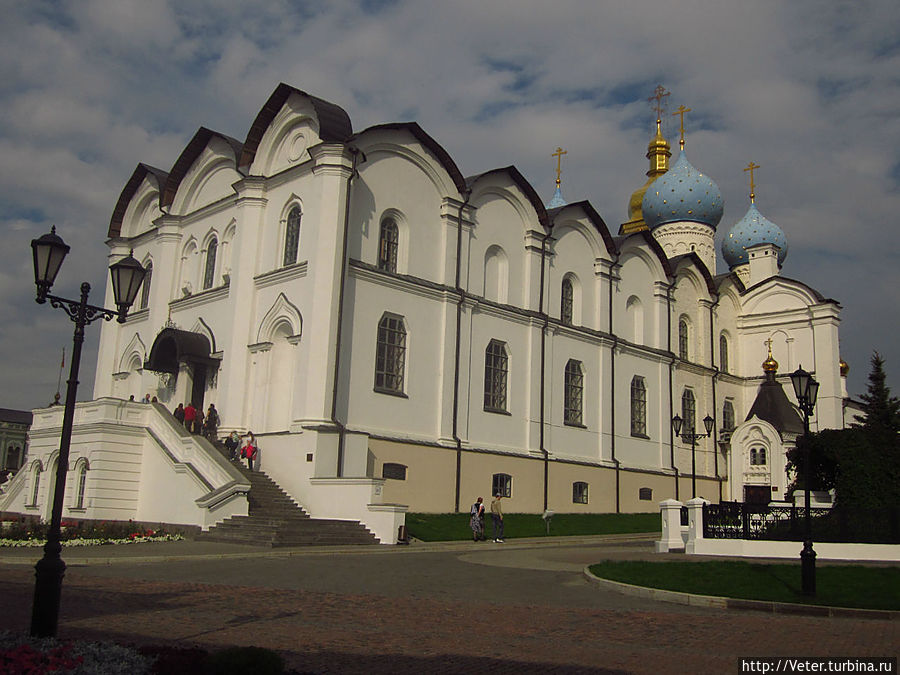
x,y
751,230
682,193
557,200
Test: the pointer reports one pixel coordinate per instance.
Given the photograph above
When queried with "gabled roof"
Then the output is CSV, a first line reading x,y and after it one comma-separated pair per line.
x,y
773,406
190,153
520,182
334,122
693,258
809,289
142,170
430,144
595,219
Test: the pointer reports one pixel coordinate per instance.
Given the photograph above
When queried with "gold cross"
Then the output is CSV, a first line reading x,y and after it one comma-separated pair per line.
x,y
558,154
750,167
681,110
658,95
769,344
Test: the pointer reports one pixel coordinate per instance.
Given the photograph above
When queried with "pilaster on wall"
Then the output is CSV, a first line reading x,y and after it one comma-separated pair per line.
x,y
111,332
534,241
829,403
661,329
250,208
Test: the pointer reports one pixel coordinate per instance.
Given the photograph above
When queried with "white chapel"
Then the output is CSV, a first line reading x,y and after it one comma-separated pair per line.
x,y
399,336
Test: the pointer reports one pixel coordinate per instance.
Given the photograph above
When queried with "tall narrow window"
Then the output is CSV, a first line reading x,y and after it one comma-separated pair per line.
x,y
688,408
35,483
209,273
496,369
80,485
292,237
567,310
390,354
728,416
574,393
387,245
723,353
683,344
145,289
638,407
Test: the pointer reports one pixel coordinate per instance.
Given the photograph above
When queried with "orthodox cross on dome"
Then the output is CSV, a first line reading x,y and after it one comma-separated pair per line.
x,y
558,154
658,95
681,111
751,167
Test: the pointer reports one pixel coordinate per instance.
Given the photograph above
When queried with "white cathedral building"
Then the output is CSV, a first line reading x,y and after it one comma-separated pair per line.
x,y
398,335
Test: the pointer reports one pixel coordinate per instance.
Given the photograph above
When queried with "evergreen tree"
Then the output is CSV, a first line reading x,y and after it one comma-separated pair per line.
x,y
882,411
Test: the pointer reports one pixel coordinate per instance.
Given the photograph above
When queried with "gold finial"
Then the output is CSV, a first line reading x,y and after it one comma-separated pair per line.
x,y
770,365
843,367
681,111
751,167
658,95
558,154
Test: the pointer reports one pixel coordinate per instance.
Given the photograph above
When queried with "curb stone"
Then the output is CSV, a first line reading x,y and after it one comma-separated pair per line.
x,y
718,602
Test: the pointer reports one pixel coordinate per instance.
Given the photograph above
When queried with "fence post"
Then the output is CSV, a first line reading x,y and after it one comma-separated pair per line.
x,y
695,523
671,540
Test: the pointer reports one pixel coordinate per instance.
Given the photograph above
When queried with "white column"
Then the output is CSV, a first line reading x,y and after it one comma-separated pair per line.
x,y
671,540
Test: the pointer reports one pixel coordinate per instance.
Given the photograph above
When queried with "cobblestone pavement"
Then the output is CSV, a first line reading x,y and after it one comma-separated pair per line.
x,y
464,609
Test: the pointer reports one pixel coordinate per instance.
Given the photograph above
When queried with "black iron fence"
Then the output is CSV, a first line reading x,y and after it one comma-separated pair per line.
x,y
737,520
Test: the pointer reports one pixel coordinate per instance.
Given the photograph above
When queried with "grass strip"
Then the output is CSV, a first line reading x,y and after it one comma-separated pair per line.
x,y
455,526
856,586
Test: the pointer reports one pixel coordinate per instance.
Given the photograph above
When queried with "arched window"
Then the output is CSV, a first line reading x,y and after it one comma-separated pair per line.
x,y
757,456
209,272
145,289
723,353
496,369
688,408
390,354
579,492
292,237
574,393
388,242
638,407
728,416
35,483
501,484
683,343
645,493
80,483
13,458
567,306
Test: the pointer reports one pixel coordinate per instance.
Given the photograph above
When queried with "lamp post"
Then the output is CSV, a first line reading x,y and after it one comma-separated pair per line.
x,y
127,275
691,437
806,389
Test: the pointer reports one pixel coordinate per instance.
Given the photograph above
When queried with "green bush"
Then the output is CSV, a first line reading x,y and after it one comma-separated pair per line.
x,y
455,526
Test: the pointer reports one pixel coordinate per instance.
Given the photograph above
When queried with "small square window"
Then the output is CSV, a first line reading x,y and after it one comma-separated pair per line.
x,y
579,493
502,485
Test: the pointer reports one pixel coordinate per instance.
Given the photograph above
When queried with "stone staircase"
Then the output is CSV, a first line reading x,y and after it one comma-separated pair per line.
x,y
276,520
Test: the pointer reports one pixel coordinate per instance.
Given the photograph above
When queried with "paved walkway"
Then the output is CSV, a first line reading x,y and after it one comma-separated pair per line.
x,y
519,607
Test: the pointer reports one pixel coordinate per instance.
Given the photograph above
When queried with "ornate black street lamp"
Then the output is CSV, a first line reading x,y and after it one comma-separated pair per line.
x,y
691,437
806,389
127,276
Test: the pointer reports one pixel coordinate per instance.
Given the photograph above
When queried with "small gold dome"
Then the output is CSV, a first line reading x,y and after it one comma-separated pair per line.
x,y
844,368
658,152
770,365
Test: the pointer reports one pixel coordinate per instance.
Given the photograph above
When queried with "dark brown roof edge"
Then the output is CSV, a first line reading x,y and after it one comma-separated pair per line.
x,y
694,259
526,187
118,214
430,144
334,122
190,153
596,221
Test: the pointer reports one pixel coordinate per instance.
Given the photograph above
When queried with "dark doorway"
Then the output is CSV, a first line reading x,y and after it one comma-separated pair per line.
x,y
198,389
757,494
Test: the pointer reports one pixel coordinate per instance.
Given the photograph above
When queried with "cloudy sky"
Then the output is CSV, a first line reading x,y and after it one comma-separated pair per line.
x,y
809,90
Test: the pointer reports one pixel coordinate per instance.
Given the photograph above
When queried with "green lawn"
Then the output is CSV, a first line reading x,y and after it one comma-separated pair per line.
x,y
455,526
836,586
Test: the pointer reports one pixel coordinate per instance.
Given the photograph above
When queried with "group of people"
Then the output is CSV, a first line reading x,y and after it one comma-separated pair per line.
x,y
476,520
147,399
249,449
196,422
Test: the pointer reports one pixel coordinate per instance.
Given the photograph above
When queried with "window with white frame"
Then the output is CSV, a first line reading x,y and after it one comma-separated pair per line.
x,y
292,237
579,492
757,456
683,339
638,407
501,484
496,372
80,484
574,393
209,272
688,410
35,483
390,354
145,289
388,245
723,353
567,303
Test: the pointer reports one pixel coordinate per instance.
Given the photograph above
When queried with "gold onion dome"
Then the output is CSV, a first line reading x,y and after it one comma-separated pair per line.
x,y
844,368
770,365
658,152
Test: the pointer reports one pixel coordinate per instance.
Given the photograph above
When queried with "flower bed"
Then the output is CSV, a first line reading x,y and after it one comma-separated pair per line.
x,y
33,533
24,655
